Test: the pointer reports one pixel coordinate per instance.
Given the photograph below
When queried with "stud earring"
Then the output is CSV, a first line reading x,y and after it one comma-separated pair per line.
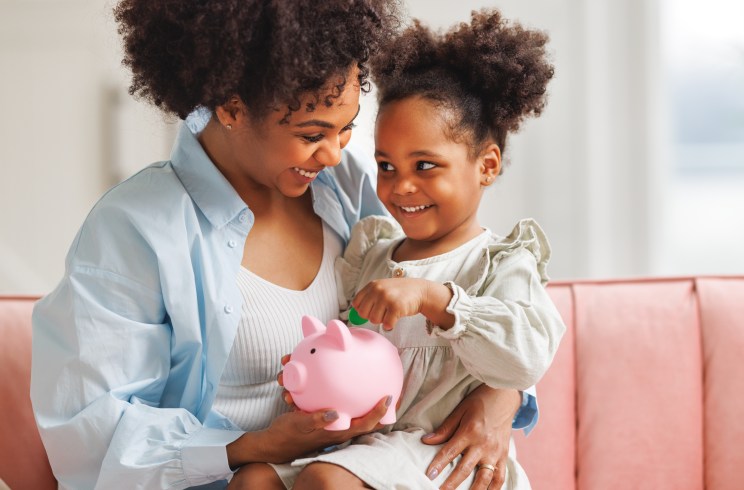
x,y
228,126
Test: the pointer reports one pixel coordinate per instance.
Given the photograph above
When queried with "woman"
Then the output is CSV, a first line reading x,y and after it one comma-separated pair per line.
x,y
183,287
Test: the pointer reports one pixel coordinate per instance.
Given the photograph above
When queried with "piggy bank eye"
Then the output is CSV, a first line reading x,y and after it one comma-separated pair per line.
x,y
312,351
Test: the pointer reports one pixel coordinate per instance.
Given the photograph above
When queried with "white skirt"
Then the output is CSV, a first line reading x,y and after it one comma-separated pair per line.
x,y
397,460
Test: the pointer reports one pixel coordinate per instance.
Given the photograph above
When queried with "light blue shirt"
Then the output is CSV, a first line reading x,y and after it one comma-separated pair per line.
x,y
129,348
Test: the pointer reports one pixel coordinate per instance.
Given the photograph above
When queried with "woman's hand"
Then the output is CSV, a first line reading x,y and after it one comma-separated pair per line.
x,y
479,429
297,433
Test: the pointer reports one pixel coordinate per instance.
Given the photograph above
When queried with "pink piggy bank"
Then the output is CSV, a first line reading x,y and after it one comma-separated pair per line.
x,y
348,370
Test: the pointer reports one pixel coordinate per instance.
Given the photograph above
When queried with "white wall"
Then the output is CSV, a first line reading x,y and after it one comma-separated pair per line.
x,y
591,169
65,104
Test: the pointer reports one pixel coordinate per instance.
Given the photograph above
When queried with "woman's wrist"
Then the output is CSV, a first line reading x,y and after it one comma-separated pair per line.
x,y
246,449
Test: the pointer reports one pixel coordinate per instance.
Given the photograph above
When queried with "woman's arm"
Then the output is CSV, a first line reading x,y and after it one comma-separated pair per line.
x,y
96,380
296,433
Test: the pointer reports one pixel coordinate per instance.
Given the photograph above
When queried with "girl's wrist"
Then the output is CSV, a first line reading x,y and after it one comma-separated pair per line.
x,y
438,297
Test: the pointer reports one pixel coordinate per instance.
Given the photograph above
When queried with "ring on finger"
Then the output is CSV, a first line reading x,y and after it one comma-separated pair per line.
x,y
486,467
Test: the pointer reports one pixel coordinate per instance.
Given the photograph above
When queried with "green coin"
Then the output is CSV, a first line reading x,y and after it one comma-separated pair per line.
x,y
354,317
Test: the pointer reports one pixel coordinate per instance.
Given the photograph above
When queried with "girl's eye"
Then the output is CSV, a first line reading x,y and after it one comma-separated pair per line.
x,y
313,139
385,166
424,165
348,128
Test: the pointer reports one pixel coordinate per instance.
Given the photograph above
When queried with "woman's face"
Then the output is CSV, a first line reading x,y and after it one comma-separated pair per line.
x,y
287,156
429,183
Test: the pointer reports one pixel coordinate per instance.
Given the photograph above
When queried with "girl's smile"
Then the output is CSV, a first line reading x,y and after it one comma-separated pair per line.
x,y
430,184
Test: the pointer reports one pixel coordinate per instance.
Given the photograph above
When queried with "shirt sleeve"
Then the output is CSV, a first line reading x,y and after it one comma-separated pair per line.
x,y
97,377
528,413
507,330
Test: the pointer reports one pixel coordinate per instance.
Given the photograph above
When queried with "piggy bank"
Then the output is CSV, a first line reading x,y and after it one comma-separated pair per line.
x,y
348,370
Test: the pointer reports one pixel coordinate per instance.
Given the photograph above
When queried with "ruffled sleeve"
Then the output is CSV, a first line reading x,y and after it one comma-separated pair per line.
x,y
507,329
366,235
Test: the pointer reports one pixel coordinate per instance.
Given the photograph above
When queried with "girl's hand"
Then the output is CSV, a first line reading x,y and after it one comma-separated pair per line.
x,y
386,301
297,433
479,429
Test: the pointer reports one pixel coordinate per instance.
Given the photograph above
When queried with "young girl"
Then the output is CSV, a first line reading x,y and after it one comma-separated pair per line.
x,y
464,306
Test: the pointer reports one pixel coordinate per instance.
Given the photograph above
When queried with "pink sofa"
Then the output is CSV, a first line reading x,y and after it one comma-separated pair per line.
x,y
646,391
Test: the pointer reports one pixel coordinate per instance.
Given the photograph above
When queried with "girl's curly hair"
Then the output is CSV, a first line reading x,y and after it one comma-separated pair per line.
x,y
189,53
490,73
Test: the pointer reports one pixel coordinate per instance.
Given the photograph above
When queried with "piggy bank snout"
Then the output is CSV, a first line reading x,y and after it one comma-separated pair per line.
x,y
294,377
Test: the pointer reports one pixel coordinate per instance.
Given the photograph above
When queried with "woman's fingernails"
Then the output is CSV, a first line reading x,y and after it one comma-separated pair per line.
x,y
428,436
330,415
432,474
388,400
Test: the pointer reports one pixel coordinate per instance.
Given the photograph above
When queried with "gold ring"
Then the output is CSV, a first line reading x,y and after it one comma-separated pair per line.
x,y
486,467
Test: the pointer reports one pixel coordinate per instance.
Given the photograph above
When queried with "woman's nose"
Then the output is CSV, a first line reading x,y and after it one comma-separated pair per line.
x,y
329,154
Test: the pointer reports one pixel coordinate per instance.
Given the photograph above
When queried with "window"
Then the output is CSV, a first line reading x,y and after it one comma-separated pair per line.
x,y
703,49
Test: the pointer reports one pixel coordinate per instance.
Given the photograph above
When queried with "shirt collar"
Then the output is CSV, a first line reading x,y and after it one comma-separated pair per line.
x,y
206,185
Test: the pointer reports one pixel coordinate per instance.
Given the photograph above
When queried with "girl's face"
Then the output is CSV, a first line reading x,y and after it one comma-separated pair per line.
x,y
429,183
287,157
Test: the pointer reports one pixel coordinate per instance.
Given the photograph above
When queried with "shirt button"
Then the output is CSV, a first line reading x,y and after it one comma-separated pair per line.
x,y
243,218
398,272
232,244
228,309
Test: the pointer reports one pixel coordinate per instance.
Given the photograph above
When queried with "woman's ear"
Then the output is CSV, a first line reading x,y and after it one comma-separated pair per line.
x,y
232,113
490,160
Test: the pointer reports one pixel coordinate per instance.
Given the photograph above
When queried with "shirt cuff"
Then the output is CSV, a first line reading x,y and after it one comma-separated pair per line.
x,y
527,415
204,456
460,306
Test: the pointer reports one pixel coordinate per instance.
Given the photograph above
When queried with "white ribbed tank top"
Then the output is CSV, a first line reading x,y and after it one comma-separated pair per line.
x,y
270,327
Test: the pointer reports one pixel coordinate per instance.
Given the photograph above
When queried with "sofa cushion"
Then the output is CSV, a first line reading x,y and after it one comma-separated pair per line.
x,y
548,463
722,318
639,386
23,461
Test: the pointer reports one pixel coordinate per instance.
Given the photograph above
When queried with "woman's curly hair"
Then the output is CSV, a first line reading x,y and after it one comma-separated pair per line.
x,y
189,53
490,73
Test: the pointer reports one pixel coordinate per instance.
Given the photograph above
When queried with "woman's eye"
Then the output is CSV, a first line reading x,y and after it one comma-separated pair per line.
x,y
424,165
348,128
313,139
385,166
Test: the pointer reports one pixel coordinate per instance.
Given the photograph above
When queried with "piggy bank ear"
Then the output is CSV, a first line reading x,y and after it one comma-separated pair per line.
x,y
311,325
339,334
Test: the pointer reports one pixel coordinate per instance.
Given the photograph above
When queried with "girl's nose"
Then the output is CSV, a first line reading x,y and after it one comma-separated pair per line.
x,y
404,185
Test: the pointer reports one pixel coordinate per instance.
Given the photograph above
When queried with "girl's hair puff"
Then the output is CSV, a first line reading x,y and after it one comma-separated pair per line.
x,y
189,53
490,74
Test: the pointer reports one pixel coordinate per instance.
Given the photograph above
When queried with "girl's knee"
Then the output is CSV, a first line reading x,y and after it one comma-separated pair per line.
x,y
322,476
256,476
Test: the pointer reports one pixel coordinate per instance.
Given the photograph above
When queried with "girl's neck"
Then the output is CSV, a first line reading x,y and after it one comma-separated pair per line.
x,y
412,249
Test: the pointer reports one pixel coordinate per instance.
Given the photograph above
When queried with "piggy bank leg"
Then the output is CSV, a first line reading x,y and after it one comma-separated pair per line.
x,y
343,422
389,417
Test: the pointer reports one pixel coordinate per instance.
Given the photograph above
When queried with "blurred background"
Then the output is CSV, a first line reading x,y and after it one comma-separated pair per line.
x,y
636,168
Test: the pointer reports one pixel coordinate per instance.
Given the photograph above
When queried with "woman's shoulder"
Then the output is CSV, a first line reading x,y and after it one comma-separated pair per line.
x,y
151,187
134,211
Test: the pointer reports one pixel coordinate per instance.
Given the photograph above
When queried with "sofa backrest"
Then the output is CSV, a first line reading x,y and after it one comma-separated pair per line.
x,y
647,388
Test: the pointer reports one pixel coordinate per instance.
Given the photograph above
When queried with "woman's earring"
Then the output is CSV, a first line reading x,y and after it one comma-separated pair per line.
x,y
228,126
